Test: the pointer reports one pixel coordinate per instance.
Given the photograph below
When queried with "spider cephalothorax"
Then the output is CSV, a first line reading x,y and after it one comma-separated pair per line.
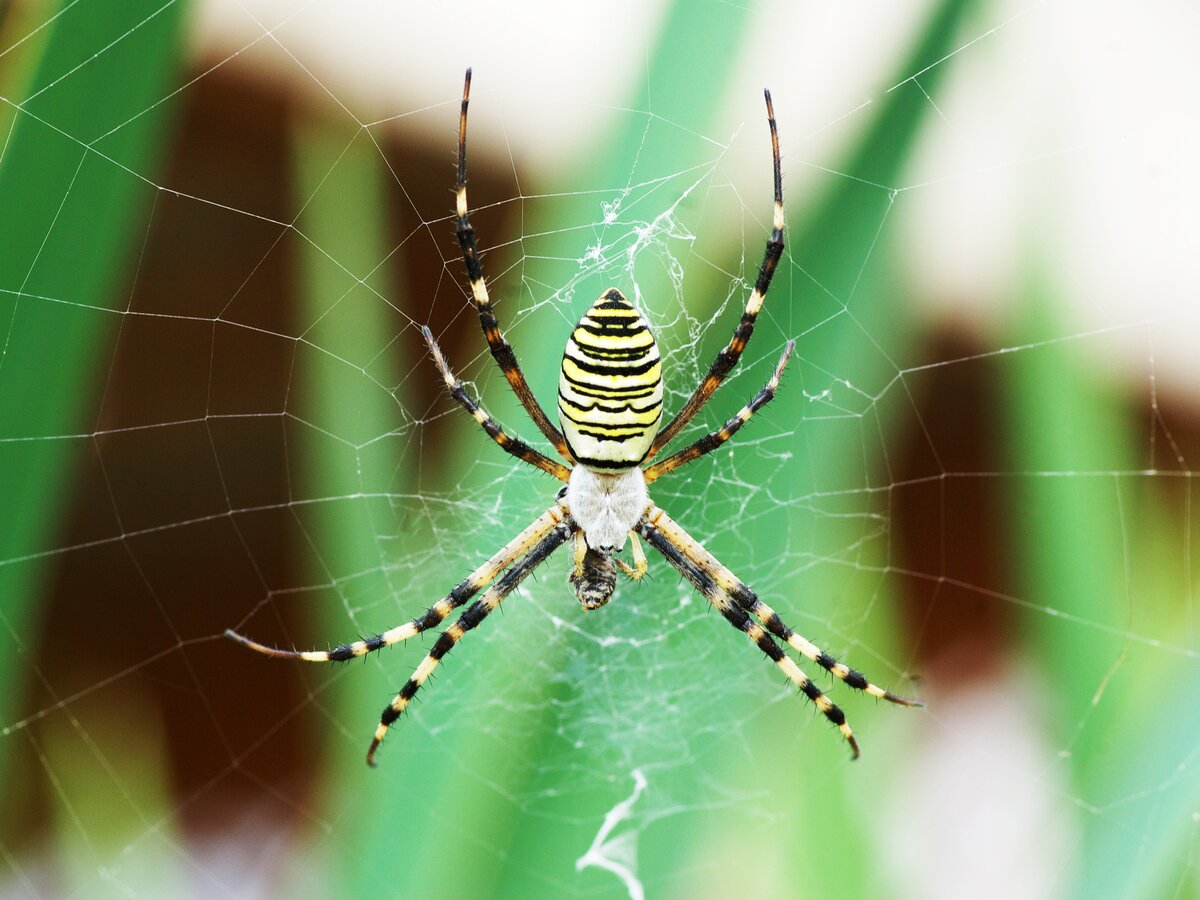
x,y
610,407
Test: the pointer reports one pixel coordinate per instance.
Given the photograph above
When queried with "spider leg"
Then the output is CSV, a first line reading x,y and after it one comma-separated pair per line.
x,y
502,351
474,583
471,617
580,555
728,357
715,439
638,570
669,531
513,445
697,572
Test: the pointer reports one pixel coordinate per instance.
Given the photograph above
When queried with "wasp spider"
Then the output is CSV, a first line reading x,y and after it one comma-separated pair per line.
x,y
610,407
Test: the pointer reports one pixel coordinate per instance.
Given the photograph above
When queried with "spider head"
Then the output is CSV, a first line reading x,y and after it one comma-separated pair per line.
x,y
595,585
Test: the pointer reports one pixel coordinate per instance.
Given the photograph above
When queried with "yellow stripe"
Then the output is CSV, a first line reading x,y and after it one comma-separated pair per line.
x,y
613,341
638,356
622,312
428,664
597,418
754,304
645,379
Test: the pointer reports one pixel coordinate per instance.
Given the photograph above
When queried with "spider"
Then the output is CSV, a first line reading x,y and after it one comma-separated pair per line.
x,y
610,407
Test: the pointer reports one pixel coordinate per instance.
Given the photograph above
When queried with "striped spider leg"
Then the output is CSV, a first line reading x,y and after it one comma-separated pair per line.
x,y
732,352
512,445
502,351
715,439
471,617
738,604
545,534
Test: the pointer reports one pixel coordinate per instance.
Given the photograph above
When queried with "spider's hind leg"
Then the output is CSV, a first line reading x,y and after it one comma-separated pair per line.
x,y
697,572
548,542
750,602
474,583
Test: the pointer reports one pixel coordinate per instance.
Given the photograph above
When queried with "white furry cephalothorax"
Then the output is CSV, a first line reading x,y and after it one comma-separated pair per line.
x,y
606,505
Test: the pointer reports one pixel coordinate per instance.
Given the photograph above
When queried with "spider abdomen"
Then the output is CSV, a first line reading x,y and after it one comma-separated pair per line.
x,y
610,386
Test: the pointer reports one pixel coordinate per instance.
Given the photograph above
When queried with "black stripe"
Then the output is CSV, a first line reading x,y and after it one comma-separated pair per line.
x,y
607,407
618,371
474,614
770,261
432,616
597,352
611,302
613,330
341,653
446,640
763,642
856,680
591,423
599,317
592,463
624,313
615,439
632,392
609,365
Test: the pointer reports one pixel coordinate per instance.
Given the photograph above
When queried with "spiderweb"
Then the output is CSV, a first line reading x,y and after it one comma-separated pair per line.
x,y
975,484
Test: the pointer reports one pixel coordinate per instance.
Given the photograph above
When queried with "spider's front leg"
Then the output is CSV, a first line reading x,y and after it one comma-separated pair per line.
x,y
729,356
502,351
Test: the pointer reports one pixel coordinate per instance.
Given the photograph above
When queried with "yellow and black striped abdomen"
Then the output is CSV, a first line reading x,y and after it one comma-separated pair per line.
x,y
610,388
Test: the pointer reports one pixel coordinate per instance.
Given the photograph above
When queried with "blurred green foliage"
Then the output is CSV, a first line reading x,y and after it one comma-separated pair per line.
x,y
75,203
